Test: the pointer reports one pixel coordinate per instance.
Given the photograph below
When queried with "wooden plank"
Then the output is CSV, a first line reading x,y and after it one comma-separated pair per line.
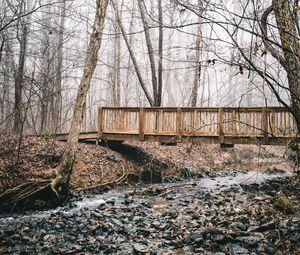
x,y
179,124
100,122
221,123
141,124
194,121
213,125
234,122
264,123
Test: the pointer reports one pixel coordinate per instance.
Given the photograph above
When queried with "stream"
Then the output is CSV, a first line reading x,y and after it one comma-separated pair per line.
x,y
230,213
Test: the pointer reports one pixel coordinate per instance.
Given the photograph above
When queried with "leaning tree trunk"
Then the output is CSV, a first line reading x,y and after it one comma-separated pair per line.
x,y
64,171
27,193
133,59
150,52
289,37
290,56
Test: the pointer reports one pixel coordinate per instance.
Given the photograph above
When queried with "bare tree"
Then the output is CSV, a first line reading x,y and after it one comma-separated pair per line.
x,y
197,71
134,60
60,183
57,97
22,37
150,53
289,56
116,83
65,168
160,53
285,50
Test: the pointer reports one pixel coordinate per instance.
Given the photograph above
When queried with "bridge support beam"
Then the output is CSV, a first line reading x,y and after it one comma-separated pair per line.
x,y
226,145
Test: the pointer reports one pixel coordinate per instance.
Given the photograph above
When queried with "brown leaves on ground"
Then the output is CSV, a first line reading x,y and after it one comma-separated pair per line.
x,y
34,159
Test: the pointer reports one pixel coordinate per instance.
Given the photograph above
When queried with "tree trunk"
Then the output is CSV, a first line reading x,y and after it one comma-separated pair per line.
x,y
61,182
197,71
290,59
150,53
117,61
57,108
160,53
20,78
134,61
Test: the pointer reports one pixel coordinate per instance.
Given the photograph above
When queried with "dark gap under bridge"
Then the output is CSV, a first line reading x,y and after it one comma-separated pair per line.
x,y
225,125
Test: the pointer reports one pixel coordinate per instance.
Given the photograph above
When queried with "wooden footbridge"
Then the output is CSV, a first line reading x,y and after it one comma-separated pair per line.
x,y
255,125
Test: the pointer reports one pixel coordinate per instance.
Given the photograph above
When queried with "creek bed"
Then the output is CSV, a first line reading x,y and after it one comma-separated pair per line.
x,y
233,213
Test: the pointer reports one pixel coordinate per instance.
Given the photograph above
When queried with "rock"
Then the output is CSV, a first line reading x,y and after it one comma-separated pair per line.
x,y
128,201
262,228
156,224
250,241
77,247
186,173
139,248
220,239
238,250
111,158
111,202
49,238
194,238
284,204
178,244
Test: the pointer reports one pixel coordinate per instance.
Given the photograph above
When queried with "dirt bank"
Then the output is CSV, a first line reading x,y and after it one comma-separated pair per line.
x,y
35,158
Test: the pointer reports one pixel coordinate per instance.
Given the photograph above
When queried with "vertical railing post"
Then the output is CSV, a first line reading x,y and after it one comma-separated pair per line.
x,y
195,127
221,125
264,124
178,125
142,124
100,124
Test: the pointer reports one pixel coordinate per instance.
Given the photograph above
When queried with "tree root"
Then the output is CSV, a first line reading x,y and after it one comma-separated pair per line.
x,y
108,184
25,196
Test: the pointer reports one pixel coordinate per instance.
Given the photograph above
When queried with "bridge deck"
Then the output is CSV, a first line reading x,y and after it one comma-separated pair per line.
x,y
255,125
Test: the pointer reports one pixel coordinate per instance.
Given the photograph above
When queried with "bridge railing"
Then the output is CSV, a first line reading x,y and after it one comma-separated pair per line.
x,y
221,122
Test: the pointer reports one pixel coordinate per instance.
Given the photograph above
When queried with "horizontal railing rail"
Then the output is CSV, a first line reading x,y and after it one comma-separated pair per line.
x,y
183,121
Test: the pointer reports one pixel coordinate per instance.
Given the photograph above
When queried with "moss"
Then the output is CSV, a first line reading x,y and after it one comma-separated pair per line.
x,y
284,204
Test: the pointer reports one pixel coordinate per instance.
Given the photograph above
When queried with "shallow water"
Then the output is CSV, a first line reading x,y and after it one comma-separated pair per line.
x,y
215,184
212,184
171,218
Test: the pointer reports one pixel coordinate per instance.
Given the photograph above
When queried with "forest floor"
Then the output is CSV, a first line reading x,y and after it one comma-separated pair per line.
x,y
35,158
241,200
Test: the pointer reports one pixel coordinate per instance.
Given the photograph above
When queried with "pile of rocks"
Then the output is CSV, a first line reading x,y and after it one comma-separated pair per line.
x,y
178,219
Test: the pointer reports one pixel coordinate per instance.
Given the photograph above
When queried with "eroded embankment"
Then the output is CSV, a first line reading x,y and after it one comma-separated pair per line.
x,y
33,159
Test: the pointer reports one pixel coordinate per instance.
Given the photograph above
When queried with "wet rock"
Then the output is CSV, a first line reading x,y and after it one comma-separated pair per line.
x,y
186,173
251,241
151,176
196,221
194,238
111,201
49,238
207,233
139,248
274,170
128,201
220,239
239,250
262,228
238,225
